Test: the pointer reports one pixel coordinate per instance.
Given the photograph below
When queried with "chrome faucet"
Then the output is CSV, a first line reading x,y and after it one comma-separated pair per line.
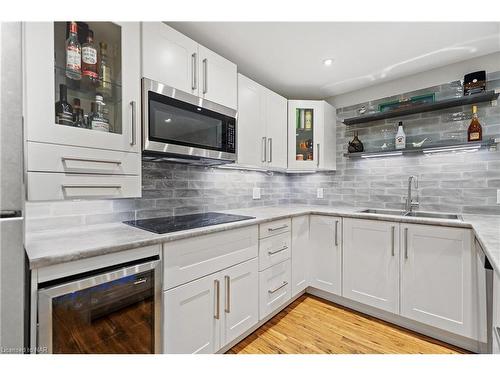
x,y
409,205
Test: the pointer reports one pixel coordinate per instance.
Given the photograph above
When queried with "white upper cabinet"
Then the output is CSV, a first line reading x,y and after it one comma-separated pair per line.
x,y
262,126
371,263
45,75
173,59
251,128
311,135
325,253
437,287
218,78
276,128
169,57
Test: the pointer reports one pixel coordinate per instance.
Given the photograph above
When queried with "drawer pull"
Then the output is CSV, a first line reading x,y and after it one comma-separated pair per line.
x,y
271,291
277,251
277,228
141,281
90,160
91,186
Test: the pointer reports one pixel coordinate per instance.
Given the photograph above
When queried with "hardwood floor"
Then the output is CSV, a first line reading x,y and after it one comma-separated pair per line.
x,y
312,325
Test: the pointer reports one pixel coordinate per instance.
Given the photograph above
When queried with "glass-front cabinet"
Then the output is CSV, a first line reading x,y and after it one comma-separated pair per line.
x,y
311,135
81,109
82,84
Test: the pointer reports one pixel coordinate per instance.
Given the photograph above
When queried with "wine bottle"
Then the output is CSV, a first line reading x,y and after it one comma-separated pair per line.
x,y
475,132
64,111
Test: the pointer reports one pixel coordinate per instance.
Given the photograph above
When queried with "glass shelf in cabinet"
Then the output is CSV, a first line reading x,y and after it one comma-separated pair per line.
x,y
111,95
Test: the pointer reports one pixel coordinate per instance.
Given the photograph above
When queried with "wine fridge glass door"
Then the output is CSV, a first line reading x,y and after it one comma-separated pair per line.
x,y
112,313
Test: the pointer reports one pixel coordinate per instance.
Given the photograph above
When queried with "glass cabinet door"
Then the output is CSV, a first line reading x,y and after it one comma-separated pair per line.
x,y
87,75
83,83
304,130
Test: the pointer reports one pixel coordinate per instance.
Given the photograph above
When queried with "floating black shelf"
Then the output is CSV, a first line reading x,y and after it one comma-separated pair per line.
x,y
449,147
441,104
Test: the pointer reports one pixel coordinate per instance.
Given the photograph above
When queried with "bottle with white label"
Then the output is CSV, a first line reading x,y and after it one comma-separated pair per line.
x,y
400,137
98,120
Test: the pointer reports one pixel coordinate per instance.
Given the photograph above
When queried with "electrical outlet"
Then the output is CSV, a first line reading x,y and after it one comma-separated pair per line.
x,y
319,193
498,196
256,193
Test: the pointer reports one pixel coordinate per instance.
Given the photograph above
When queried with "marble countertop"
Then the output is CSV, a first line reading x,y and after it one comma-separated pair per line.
x,y
50,247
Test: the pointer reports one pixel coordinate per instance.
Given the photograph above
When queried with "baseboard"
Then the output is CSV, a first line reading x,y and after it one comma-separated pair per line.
x,y
436,333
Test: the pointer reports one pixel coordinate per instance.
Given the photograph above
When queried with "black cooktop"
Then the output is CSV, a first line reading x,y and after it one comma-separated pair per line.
x,y
169,224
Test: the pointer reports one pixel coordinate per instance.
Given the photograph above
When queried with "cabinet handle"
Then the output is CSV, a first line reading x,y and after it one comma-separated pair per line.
x,y
277,228
134,136
277,251
217,299
270,150
205,76
81,186
406,243
336,233
227,281
264,150
317,163
194,75
392,240
90,160
271,291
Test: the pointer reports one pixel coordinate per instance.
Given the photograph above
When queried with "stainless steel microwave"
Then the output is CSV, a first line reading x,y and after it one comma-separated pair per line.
x,y
178,126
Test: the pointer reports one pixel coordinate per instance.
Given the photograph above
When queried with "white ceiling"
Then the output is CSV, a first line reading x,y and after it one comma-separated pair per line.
x,y
288,57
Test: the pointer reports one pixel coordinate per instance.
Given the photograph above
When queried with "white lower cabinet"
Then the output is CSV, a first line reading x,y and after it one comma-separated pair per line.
x,y
325,253
300,254
437,287
274,288
190,323
496,314
204,315
371,263
241,299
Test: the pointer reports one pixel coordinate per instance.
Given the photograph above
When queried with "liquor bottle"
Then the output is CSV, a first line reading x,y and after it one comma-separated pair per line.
x,y
98,121
78,117
308,119
400,139
73,53
475,132
104,69
64,111
89,60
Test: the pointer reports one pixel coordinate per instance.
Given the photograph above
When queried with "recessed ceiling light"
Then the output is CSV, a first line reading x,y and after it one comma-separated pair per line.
x,y
328,62
168,120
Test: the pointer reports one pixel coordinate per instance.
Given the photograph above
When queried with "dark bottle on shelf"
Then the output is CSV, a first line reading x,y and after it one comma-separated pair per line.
x,y
475,131
78,118
64,111
89,61
73,53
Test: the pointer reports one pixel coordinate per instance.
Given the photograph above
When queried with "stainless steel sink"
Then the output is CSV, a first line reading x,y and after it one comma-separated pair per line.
x,y
432,215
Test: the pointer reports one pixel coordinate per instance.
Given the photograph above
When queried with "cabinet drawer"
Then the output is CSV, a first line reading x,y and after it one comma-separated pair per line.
x,y
274,288
57,186
274,227
274,249
44,157
191,258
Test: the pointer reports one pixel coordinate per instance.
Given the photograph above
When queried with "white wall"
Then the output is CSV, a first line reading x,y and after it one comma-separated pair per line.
x,y
433,77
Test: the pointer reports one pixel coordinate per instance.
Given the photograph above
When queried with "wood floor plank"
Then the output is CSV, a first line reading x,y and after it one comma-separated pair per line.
x,y
311,325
